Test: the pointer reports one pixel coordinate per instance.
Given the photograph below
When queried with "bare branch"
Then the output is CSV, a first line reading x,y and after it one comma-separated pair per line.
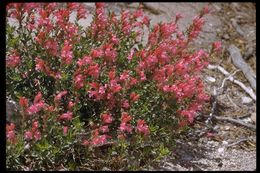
x,y
235,121
248,90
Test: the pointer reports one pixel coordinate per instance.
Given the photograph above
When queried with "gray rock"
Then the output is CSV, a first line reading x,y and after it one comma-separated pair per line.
x,y
246,100
210,79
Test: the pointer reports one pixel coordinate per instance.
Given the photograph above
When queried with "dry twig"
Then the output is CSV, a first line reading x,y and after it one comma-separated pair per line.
x,y
239,141
248,90
225,79
235,121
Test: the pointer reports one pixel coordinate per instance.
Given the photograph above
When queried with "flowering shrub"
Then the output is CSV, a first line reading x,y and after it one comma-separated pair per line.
x,y
100,91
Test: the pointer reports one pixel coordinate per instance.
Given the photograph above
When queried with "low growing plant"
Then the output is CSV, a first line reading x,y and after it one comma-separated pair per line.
x,y
100,95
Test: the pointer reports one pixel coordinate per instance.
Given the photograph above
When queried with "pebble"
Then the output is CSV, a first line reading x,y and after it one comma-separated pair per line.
x,y
247,120
246,100
210,79
226,36
216,127
221,150
225,143
106,169
227,127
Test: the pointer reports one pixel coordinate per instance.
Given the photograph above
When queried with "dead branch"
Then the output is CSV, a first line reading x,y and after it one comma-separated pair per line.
x,y
248,90
214,103
235,121
225,79
232,101
239,62
239,141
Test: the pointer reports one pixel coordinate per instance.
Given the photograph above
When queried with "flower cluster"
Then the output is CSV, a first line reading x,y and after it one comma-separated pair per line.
x,y
100,71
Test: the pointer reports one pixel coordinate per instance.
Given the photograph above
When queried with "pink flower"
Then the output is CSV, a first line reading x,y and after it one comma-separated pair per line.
x,y
138,13
65,130
93,70
28,7
112,74
189,114
210,134
196,27
35,125
178,17
72,5
142,75
206,10
66,116
23,102
37,135
104,129
40,64
66,53
85,142
100,5
110,53
81,12
130,56
57,76
125,104
133,81
10,127
52,47
70,105
106,118
59,96
125,117
101,90
79,81
10,134
124,75
28,135
167,29
96,53
182,123
166,88
37,98
217,46
134,96
37,106
115,87
13,61
40,37
146,21
125,127
115,40
85,61
33,109
94,85
142,127
99,140
203,97
40,105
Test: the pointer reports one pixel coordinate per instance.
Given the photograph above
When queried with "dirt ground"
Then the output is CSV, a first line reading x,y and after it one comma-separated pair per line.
x,y
219,145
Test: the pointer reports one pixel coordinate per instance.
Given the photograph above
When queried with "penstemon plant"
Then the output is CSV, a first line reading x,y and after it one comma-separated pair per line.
x,y
98,92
